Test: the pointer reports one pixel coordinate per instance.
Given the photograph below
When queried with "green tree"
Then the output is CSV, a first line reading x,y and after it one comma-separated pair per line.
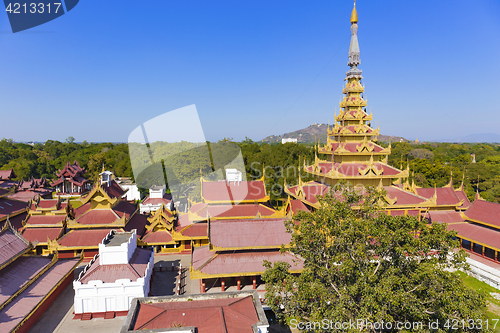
x,y
361,264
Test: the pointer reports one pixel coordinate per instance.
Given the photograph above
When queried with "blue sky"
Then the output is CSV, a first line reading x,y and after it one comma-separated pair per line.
x,y
252,68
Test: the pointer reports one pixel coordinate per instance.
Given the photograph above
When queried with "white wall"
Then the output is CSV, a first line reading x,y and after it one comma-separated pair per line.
x,y
132,193
484,273
96,296
109,255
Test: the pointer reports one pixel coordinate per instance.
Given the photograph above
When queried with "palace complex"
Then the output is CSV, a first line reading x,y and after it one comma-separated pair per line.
x,y
228,234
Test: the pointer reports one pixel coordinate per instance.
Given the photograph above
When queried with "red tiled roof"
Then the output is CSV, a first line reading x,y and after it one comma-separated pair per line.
x,y
160,236
48,203
297,205
84,237
221,191
45,219
41,234
8,206
16,221
462,196
24,303
353,146
445,195
197,207
403,197
7,174
248,233
7,183
484,211
477,233
11,245
18,273
239,262
196,230
113,189
28,195
182,222
137,222
167,198
445,216
82,210
98,216
235,211
136,268
230,315
311,190
124,208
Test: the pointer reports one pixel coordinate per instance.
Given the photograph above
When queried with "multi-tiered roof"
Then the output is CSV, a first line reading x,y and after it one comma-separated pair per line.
x,y
351,151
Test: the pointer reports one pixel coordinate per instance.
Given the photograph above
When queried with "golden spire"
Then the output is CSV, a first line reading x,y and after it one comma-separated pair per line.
x,y
354,14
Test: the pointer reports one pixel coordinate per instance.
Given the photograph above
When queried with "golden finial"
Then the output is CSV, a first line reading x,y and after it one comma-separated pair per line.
x,y
354,14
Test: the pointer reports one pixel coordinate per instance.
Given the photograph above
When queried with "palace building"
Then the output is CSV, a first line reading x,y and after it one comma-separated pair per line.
x,y
71,180
352,155
101,210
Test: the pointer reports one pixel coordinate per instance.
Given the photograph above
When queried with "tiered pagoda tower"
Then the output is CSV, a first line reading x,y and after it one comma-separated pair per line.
x,y
351,151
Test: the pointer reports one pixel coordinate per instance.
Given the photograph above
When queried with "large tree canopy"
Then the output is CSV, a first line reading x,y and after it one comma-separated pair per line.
x,y
363,266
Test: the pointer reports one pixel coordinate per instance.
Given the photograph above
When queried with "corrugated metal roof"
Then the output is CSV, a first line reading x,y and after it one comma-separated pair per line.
x,y
240,262
45,219
135,269
41,234
403,197
445,216
231,315
245,190
196,230
445,195
236,210
11,245
21,306
248,233
8,207
160,236
98,216
18,273
477,233
484,211
82,237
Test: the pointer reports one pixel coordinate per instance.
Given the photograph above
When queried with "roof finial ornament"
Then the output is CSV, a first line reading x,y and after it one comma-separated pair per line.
x,y
354,47
354,14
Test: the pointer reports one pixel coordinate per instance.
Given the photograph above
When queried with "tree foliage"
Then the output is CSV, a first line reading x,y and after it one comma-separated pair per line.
x,y
361,264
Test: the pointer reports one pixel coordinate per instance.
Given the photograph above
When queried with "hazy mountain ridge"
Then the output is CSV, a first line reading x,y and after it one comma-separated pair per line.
x,y
313,132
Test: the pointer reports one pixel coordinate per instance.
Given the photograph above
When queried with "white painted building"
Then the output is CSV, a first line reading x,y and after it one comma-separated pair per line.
x,y
286,140
120,272
127,184
233,175
155,199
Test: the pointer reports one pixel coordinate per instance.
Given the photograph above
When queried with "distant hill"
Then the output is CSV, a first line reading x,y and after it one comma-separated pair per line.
x,y
478,137
307,135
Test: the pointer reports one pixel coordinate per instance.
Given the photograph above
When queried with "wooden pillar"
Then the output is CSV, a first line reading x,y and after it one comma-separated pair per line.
x,y
496,255
254,283
222,285
460,242
238,283
471,247
203,290
483,249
